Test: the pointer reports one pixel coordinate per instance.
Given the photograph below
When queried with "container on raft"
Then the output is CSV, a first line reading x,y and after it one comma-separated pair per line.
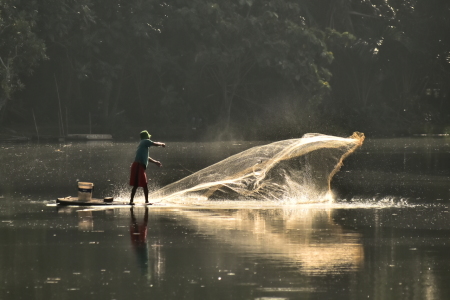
x,y
85,198
85,191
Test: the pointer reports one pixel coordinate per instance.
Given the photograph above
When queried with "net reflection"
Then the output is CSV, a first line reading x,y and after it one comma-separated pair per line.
x,y
308,238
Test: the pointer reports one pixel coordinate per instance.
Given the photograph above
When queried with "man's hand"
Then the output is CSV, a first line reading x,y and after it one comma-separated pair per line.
x,y
159,164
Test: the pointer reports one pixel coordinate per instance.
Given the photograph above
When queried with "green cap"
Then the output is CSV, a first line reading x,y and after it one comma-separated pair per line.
x,y
144,135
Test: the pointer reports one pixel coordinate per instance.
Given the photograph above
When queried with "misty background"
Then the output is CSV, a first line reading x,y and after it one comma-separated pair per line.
x,y
228,69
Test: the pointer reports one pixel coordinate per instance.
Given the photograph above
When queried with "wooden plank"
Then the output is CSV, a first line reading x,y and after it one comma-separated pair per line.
x,y
93,202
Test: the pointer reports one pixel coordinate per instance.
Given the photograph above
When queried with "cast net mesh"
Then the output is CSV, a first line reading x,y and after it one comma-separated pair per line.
x,y
297,169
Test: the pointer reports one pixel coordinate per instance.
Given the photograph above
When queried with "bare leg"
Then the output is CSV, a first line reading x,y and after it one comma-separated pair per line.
x,y
146,193
133,192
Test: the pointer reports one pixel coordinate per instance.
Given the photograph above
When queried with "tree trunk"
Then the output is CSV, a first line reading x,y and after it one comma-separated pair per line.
x,y
2,108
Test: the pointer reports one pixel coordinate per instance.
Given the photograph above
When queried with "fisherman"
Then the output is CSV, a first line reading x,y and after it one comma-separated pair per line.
x,y
138,177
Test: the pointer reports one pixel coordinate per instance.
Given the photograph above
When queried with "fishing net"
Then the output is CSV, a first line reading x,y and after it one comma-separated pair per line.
x,y
297,169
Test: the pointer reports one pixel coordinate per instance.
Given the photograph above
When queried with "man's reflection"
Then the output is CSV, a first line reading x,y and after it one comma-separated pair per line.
x,y
138,234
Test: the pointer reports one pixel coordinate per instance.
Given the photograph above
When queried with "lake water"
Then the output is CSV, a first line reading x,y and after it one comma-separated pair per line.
x,y
386,236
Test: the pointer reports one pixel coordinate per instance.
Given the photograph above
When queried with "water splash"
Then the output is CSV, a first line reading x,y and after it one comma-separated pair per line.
x,y
375,202
294,171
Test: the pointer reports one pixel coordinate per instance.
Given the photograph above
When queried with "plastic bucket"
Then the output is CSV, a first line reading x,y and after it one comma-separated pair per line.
x,y
85,191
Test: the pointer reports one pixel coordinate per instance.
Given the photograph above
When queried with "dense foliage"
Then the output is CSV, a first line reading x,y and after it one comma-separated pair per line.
x,y
239,68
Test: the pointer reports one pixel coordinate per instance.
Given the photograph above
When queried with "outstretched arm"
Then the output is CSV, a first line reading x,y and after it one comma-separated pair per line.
x,y
159,144
159,164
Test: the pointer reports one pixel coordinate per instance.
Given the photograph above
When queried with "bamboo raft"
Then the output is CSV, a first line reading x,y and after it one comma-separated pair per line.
x,y
108,201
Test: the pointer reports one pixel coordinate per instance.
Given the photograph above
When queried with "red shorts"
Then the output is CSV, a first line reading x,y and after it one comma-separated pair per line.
x,y
137,175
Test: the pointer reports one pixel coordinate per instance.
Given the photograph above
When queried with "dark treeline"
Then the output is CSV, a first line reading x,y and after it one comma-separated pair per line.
x,y
229,68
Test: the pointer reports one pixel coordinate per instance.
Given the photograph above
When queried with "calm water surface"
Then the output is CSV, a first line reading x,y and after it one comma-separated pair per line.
x,y
387,236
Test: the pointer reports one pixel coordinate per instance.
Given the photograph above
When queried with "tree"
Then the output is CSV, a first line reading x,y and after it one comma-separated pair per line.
x,y
232,42
399,55
100,51
20,47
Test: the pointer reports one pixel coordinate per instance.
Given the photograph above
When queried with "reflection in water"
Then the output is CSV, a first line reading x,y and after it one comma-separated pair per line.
x,y
308,238
85,220
431,288
301,252
138,234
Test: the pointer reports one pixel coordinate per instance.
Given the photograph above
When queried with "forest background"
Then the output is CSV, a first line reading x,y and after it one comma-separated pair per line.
x,y
211,69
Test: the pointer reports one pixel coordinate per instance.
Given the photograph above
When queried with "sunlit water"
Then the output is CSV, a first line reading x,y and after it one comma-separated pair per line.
x,y
386,235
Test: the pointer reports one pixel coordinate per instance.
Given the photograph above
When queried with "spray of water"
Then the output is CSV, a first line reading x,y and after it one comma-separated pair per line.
x,y
293,171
